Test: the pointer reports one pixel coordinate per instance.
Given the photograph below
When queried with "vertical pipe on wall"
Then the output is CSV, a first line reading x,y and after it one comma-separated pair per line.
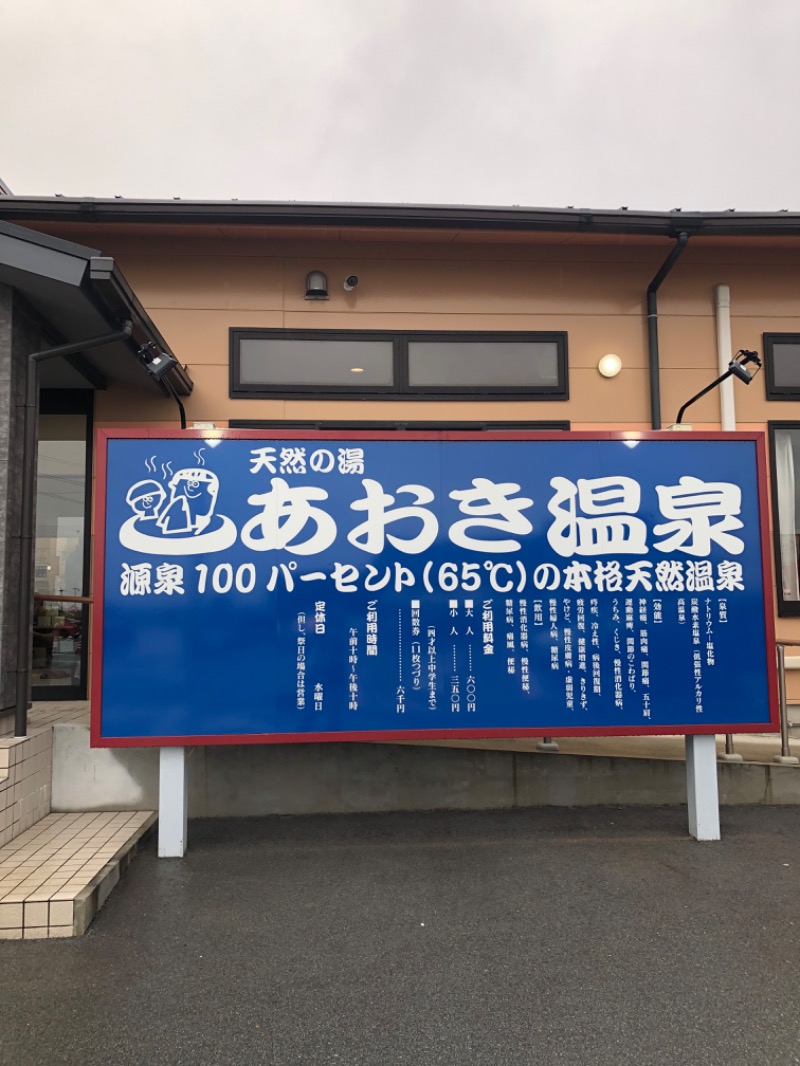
x,y
727,403
727,412
30,453
652,328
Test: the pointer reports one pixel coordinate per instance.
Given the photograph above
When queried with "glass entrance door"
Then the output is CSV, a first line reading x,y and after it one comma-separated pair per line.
x,y
60,619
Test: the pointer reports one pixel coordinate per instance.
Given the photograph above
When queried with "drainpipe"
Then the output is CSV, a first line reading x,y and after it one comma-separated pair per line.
x,y
29,462
652,328
727,403
727,413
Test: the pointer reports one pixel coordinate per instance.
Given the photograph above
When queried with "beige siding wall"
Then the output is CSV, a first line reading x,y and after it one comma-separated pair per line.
x,y
197,284
197,288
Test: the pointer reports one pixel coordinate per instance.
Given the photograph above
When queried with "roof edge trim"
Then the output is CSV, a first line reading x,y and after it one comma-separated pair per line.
x,y
407,216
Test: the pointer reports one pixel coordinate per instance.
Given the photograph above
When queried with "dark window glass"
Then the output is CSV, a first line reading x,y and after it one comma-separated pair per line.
x,y
785,451
354,424
782,364
479,364
305,362
59,626
332,363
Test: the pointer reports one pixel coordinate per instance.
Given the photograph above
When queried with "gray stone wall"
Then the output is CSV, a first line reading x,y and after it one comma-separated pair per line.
x,y
19,335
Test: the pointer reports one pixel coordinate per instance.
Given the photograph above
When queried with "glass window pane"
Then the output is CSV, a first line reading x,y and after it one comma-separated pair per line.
x,y
786,365
268,361
787,481
60,514
482,364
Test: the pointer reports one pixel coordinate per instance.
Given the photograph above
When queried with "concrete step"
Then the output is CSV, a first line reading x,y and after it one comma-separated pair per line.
x,y
57,875
25,781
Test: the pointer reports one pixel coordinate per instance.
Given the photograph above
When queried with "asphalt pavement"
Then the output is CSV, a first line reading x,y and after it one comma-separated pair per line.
x,y
589,937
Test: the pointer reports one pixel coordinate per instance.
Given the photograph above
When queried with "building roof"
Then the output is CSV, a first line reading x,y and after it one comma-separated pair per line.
x,y
80,294
408,216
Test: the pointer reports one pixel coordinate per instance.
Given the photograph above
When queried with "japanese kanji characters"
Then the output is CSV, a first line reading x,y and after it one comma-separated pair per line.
x,y
691,505
598,516
135,580
295,459
606,525
169,580
351,461
590,517
729,576
494,583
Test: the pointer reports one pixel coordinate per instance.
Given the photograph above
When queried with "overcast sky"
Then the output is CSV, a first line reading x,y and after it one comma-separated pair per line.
x,y
594,103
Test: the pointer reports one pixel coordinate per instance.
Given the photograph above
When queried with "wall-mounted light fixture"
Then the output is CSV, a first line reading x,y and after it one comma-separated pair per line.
x,y
737,368
610,365
156,362
316,286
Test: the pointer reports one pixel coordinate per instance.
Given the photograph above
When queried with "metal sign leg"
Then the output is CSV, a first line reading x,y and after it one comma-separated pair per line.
x,y
702,789
172,803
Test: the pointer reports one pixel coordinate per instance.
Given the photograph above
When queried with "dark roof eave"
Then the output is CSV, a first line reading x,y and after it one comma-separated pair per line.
x,y
108,288
408,216
72,288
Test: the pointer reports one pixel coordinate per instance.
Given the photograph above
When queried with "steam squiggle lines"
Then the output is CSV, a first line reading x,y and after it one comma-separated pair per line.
x,y
169,469
199,456
149,465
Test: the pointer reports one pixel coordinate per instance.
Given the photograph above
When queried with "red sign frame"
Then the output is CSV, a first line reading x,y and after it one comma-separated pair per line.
x,y
103,436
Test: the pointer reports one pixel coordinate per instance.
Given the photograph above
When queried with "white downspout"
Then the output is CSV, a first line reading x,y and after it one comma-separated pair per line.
x,y
727,405
727,413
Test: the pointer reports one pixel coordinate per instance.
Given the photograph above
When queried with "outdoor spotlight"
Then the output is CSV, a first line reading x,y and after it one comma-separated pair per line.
x,y
350,282
736,368
739,362
156,362
316,286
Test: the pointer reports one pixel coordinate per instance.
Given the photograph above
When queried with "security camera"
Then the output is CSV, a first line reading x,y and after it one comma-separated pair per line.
x,y
350,282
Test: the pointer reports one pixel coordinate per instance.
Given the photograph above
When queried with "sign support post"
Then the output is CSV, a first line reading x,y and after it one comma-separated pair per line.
x,y
702,789
172,803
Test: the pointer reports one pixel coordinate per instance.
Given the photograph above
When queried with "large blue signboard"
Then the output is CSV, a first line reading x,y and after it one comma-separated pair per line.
x,y
334,586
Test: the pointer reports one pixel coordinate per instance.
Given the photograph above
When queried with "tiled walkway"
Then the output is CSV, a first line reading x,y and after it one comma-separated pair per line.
x,y
44,714
56,875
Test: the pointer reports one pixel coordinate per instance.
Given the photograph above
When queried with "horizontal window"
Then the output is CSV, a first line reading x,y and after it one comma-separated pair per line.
x,y
785,456
782,365
272,363
267,362
488,427
478,364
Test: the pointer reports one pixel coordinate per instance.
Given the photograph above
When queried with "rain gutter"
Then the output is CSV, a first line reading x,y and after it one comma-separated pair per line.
x,y
652,327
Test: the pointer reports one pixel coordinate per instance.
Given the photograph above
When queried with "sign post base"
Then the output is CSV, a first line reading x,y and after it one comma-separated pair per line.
x,y
172,803
702,788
